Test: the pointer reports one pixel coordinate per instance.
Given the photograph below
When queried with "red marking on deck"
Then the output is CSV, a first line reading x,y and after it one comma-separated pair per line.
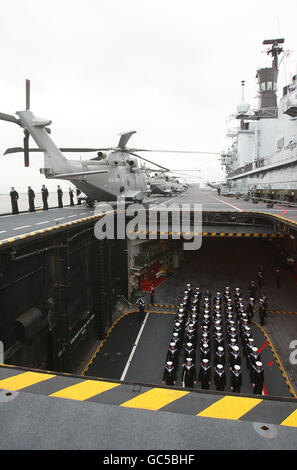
x,y
265,390
262,347
270,363
284,210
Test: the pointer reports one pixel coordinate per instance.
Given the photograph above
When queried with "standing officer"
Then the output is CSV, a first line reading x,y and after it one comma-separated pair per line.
x,y
260,280
44,194
261,312
78,191
219,378
234,357
71,196
14,196
258,378
152,294
253,289
189,375
205,374
60,195
169,375
141,303
236,379
31,197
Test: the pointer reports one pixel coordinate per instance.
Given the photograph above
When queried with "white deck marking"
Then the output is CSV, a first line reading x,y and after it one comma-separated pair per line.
x,y
134,348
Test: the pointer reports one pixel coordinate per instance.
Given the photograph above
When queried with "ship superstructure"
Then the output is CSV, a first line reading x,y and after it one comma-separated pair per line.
x,y
262,160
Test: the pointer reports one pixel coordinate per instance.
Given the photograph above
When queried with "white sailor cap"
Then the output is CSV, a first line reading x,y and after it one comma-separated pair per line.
x,y
237,288
220,349
219,366
236,348
205,345
175,334
251,340
189,345
237,367
172,344
177,323
259,364
169,363
189,359
255,349
205,361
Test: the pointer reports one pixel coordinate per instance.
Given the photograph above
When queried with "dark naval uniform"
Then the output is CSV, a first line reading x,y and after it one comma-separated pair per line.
x,y
14,196
172,355
71,197
189,375
169,375
204,376
236,380
31,197
44,194
60,195
257,379
219,379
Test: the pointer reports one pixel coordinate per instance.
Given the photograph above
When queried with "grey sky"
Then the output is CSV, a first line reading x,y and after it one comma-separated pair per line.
x,y
170,70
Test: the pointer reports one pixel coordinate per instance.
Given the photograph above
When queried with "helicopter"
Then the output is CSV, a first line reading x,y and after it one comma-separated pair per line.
x,y
114,172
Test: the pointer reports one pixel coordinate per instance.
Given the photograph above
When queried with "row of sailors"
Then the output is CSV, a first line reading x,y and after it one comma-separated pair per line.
x,y
190,378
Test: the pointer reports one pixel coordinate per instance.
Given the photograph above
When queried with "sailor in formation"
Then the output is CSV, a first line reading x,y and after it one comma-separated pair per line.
x,y
44,194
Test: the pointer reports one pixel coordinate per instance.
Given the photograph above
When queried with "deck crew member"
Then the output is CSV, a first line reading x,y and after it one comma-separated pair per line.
x,y
254,357
44,194
14,196
189,374
236,379
258,378
219,378
71,196
152,295
60,196
204,376
141,304
169,375
31,197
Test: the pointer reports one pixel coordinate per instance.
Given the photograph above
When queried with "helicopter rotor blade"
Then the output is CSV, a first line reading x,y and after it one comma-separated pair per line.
x,y
26,148
149,161
125,136
67,149
176,151
27,95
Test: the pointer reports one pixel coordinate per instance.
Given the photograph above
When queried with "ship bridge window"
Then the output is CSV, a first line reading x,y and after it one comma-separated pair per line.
x,y
263,86
269,85
275,86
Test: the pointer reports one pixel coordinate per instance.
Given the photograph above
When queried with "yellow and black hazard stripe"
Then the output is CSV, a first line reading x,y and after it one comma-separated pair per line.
x,y
215,405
